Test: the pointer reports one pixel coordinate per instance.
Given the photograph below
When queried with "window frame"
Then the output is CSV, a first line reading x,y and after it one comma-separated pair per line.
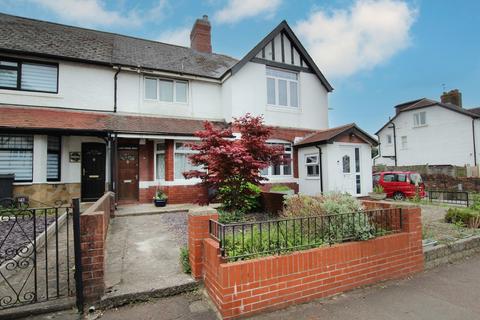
x,y
417,119
312,164
389,139
404,144
59,157
282,166
18,68
22,149
277,92
175,151
174,94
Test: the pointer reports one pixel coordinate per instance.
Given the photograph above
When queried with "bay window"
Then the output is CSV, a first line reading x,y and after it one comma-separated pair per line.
x,y
282,88
28,76
16,156
284,169
166,90
160,160
53,158
182,163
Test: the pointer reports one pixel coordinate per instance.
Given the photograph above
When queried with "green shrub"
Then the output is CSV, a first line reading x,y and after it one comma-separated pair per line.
x,y
243,198
184,260
230,217
378,189
280,188
462,217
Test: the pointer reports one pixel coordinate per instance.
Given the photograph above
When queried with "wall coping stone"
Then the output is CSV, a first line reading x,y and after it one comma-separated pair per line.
x,y
202,211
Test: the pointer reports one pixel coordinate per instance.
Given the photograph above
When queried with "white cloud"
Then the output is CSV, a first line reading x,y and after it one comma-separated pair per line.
x,y
94,12
370,32
237,10
180,36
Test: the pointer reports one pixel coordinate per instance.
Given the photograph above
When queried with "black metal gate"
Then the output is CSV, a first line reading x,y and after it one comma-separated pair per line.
x,y
37,254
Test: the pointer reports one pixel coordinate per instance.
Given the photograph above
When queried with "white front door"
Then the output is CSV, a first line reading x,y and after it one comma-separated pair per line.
x,y
350,169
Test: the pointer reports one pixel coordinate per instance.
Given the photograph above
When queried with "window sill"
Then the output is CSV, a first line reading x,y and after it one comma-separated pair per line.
x,y
420,126
284,109
313,178
168,103
52,95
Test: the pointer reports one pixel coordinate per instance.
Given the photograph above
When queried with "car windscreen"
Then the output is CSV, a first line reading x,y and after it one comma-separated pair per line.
x,y
415,178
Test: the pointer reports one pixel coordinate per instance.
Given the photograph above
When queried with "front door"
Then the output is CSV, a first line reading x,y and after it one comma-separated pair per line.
x,y
348,172
128,173
93,171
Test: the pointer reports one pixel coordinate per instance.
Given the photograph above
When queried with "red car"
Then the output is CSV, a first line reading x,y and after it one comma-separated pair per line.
x,y
400,184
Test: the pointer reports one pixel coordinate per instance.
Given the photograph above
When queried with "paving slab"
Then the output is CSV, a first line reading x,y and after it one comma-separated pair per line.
x,y
143,258
149,208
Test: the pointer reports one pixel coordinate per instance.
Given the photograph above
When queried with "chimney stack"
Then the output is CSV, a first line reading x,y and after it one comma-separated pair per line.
x,y
453,97
200,36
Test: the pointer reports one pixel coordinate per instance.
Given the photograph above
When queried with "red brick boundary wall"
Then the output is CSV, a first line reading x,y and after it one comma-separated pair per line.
x,y
93,232
252,286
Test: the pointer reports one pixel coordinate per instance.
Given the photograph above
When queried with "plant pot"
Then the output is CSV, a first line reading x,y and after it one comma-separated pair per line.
x,y
160,202
377,196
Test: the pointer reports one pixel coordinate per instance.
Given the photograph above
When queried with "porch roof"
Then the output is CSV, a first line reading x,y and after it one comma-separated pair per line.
x,y
329,135
64,120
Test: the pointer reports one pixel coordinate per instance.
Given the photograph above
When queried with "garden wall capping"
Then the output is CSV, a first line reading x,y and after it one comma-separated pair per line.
x,y
448,253
252,286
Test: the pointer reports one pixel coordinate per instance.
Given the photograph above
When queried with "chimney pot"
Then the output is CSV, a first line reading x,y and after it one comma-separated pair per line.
x,y
453,97
200,36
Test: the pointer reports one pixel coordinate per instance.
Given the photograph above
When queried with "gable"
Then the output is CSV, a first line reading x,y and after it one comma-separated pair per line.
x,y
281,48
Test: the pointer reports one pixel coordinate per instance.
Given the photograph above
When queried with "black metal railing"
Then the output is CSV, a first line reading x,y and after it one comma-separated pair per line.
x,y
35,255
244,240
450,197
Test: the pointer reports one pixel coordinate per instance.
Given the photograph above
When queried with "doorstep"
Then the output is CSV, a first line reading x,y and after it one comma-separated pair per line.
x,y
142,209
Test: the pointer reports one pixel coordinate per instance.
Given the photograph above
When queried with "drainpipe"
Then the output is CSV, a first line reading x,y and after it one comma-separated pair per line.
x,y
115,86
394,141
474,147
320,167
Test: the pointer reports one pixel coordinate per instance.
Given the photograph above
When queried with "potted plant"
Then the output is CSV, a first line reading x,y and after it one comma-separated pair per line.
x,y
378,193
160,198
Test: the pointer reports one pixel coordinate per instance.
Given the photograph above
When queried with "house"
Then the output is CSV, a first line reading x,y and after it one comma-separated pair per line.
x,y
426,131
84,111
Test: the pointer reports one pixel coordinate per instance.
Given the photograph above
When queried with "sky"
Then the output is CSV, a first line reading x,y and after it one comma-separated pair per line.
x,y
375,53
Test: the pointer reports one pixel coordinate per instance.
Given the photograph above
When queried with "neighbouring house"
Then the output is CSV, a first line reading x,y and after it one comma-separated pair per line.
x,y
426,131
84,111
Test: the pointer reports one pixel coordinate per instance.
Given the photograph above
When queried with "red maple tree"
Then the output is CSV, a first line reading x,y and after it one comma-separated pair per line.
x,y
232,162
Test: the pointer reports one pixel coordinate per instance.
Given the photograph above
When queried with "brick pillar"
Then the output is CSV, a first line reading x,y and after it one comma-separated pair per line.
x,y
169,160
295,163
412,223
146,161
197,231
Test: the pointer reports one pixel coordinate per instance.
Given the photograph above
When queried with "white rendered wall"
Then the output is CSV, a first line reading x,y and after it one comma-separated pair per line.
x,y
249,95
80,86
446,139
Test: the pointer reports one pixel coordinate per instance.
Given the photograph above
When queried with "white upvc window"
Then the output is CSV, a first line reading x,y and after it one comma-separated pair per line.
x,y
284,169
420,119
166,90
282,88
312,165
160,160
182,162
389,139
404,142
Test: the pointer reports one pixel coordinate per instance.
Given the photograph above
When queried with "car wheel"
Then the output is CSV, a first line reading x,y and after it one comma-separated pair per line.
x,y
399,196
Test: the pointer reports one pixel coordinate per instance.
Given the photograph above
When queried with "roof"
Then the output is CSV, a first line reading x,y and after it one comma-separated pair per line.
x,y
284,27
424,103
41,119
329,135
23,35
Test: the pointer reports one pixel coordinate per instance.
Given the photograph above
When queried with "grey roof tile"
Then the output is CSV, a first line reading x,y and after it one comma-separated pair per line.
x,y
19,34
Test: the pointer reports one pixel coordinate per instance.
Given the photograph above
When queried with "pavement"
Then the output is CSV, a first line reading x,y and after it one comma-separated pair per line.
x,y
445,293
143,259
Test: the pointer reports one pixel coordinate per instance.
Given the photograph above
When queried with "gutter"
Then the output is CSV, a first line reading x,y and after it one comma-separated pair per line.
x,y
394,141
115,88
474,143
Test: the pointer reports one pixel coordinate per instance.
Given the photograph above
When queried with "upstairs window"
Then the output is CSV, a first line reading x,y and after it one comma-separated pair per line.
x,y
166,90
420,119
28,76
389,139
404,142
53,158
282,88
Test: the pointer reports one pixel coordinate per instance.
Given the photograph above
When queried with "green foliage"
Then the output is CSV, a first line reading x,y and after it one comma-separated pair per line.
x,y
287,236
238,196
462,217
280,188
378,189
184,260
330,203
230,217
160,195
